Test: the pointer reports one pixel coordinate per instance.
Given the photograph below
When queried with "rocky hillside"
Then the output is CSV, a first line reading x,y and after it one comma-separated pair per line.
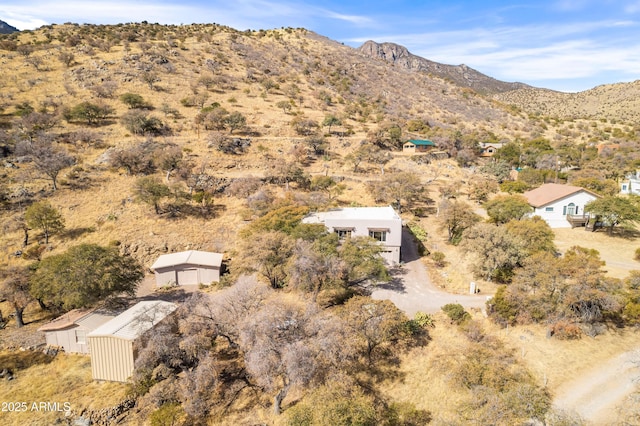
x,y
6,28
619,101
461,75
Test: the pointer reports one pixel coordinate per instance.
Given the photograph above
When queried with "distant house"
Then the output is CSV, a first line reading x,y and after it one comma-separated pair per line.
x,y
187,267
112,353
417,145
488,149
381,223
631,184
561,206
70,330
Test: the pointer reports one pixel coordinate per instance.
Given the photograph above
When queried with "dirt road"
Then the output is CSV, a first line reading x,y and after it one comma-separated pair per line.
x,y
411,289
597,394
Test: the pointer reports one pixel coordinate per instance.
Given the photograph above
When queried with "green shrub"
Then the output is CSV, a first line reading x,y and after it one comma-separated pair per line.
x,y
456,312
636,255
438,258
170,414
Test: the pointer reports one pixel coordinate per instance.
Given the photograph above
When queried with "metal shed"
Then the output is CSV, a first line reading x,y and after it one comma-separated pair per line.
x,y
187,267
112,355
69,331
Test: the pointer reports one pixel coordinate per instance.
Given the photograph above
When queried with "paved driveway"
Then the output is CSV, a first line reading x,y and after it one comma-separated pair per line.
x,y
411,289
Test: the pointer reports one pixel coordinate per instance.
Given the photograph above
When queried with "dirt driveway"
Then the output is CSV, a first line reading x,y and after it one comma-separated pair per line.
x,y
597,394
411,289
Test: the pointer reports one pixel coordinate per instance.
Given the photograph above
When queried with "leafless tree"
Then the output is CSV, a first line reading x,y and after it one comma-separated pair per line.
x,y
290,345
47,158
14,288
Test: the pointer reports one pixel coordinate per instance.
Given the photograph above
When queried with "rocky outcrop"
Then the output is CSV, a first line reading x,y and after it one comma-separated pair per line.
x,y
460,75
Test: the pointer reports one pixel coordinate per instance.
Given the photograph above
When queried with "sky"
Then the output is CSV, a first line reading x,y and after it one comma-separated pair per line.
x,y
565,45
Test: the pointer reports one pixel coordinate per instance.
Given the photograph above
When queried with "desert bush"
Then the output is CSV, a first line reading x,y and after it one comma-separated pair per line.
x,y
438,258
514,187
456,313
636,255
565,330
141,123
134,101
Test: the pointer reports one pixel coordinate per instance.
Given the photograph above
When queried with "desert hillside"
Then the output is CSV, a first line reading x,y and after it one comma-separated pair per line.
x,y
618,102
125,142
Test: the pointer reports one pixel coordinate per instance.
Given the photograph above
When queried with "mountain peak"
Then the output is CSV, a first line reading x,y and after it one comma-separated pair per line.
x,y
461,75
6,28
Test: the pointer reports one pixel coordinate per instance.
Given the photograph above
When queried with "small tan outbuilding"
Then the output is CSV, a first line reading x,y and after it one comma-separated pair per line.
x,y
112,354
69,331
187,267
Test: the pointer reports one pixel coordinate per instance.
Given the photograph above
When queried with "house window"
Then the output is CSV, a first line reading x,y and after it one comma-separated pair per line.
x,y
81,337
343,234
378,235
624,187
571,209
548,209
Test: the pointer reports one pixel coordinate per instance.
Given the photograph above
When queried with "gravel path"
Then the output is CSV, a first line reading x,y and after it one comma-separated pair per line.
x,y
596,394
411,289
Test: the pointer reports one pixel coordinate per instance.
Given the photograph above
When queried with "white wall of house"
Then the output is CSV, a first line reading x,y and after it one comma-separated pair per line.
x,y
555,213
631,185
381,223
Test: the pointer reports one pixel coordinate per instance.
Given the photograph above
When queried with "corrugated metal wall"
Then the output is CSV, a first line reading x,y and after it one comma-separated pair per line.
x,y
111,358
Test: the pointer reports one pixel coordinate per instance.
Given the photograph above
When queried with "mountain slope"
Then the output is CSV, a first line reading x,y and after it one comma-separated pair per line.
x,y
6,28
620,101
461,75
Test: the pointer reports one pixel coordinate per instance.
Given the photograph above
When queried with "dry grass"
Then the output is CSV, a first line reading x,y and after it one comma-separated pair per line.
x,y
425,380
66,379
616,251
556,362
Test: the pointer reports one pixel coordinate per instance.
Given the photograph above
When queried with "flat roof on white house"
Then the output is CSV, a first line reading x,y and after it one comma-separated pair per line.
x,y
136,320
372,213
193,257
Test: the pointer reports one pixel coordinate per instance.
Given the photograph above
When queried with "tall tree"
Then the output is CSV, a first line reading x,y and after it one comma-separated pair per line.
x,y
266,253
503,208
615,210
84,275
42,215
456,216
14,288
289,345
497,253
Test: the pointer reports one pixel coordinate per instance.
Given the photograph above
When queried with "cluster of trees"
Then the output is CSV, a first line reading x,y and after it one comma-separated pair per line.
x,y
567,292
542,287
250,342
305,257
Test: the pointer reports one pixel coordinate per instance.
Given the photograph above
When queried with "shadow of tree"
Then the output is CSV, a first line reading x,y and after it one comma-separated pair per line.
x,y
73,233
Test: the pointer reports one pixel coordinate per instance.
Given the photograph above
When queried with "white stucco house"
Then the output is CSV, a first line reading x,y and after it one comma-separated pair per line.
x,y
631,184
381,223
561,206
187,268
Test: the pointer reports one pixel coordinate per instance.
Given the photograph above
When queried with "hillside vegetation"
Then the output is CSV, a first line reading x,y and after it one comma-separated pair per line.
x,y
135,140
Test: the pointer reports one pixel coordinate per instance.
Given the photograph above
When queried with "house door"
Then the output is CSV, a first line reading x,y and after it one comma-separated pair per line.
x,y
187,276
572,209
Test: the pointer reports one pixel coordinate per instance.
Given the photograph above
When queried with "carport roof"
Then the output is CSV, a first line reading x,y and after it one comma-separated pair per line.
x,y
191,257
133,322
